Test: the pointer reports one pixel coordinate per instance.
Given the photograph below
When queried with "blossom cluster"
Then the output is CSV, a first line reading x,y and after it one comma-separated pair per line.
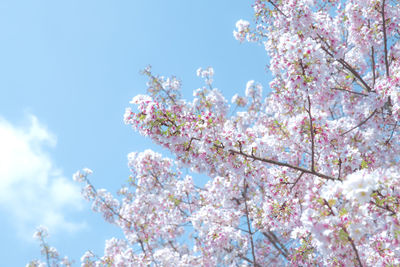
x,y
50,253
310,168
307,175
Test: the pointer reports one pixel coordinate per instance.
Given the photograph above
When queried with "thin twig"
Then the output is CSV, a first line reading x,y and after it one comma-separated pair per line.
x,y
273,242
279,242
311,135
391,134
386,207
348,235
277,8
340,168
274,162
295,182
389,102
248,224
117,214
360,124
373,66
345,65
353,246
348,91
282,164
385,38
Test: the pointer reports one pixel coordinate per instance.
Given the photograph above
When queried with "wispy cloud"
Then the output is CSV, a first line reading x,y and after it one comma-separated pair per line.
x,y
32,190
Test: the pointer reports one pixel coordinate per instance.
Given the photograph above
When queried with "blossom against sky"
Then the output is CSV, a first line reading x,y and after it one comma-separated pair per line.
x,y
69,70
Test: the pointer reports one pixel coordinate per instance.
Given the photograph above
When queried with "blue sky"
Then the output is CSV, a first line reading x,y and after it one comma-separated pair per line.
x,y
68,70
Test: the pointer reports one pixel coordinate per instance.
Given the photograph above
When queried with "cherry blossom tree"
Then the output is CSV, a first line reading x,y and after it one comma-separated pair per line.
x,y
306,176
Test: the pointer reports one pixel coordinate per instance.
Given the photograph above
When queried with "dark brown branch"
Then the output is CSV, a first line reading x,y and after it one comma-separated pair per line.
x,y
346,65
348,91
248,224
274,162
348,235
331,112
385,49
373,66
277,8
355,73
391,134
279,243
282,164
190,143
361,123
248,260
329,207
295,182
353,246
273,242
311,135
385,38
386,207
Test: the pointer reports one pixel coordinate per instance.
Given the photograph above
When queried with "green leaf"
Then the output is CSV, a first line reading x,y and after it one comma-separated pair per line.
x,y
364,164
331,202
142,117
342,212
397,234
343,235
174,200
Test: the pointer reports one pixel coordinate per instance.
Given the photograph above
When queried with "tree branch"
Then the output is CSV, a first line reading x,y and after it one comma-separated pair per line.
x,y
273,242
248,224
311,134
385,38
348,235
278,163
348,91
353,246
277,8
361,123
279,243
345,65
295,182
154,79
391,134
373,66
271,161
386,207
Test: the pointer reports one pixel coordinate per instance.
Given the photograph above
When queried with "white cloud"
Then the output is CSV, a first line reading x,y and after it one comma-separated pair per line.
x,y
32,190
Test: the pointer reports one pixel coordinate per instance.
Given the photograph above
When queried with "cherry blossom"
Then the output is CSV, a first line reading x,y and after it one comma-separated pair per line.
x,y
306,175
50,253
